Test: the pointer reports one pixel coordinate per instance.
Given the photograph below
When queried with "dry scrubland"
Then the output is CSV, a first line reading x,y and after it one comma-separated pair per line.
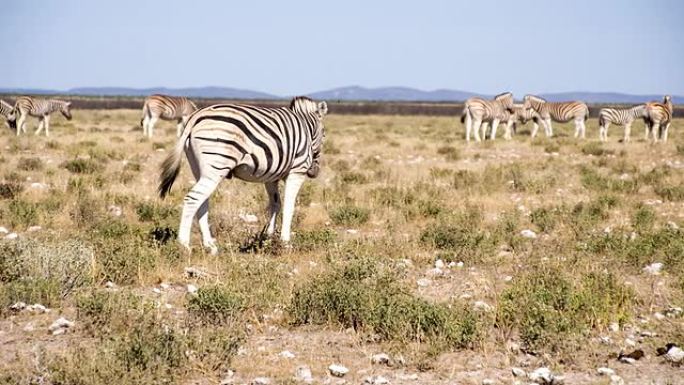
x,y
395,195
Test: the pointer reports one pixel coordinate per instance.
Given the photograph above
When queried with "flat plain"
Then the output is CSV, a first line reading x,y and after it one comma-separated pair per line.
x,y
458,261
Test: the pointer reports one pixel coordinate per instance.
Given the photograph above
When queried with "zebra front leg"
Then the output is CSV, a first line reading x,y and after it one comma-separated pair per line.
x,y
292,185
549,128
150,126
46,125
628,133
665,131
483,128
535,128
583,129
507,130
145,123
41,123
21,121
495,124
655,131
469,126
476,129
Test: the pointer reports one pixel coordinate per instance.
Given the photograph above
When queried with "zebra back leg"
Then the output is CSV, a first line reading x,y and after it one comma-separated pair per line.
x,y
203,211
484,127
292,185
179,127
628,132
46,125
469,125
273,206
21,121
665,131
548,127
41,124
476,129
150,125
495,124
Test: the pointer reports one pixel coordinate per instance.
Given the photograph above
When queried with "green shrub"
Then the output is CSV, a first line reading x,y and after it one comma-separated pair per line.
x,y
596,149
349,215
450,152
215,304
30,164
315,239
643,219
671,193
353,177
154,212
82,166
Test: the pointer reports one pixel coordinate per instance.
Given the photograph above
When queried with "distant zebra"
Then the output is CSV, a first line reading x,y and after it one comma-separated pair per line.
x,y
6,110
478,110
559,112
620,116
659,118
167,108
41,109
255,144
520,115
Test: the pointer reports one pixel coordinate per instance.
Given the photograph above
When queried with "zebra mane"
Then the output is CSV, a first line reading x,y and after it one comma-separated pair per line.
x,y
503,95
4,103
303,104
535,98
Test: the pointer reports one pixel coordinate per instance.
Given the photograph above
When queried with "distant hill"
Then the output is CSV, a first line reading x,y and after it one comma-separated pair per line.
x,y
352,93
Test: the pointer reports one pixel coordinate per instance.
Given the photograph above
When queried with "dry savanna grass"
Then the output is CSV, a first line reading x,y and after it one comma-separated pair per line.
x,y
397,196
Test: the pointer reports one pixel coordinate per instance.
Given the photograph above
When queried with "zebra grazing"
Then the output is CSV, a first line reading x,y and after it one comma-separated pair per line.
x,y
254,144
659,118
166,108
559,112
6,110
519,115
620,116
41,109
478,110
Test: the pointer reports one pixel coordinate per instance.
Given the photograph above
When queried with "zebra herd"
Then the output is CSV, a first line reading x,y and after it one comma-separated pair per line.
x,y
268,145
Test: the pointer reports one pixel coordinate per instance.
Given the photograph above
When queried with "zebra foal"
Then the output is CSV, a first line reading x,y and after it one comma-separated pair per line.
x,y
620,116
478,110
254,144
561,112
167,108
26,106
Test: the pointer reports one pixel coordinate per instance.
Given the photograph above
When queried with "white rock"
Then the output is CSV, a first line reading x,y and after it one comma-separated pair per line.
x,y
627,360
115,211
659,316
303,374
675,354
528,234
517,372
261,381
286,354
12,236
614,327
156,290
439,264
192,289
37,185
338,370
606,340
423,282
193,272
673,311
3,230
19,306
60,325
487,381
376,380
541,376
37,308
380,359
29,327
33,229
605,371
483,306
164,286
249,218
110,285
507,278
654,268
352,231
436,272
672,226
616,380
630,342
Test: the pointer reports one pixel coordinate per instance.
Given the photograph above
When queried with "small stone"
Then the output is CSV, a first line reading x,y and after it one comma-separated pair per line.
x,y
541,376
377,380
616,380
630,342
32,229
286,354
672,226
614,327
411,377
193,272
659,316
156,290
303,374
164,286
436,272
675,355
19,306
29,327
605,371
261,381
338,370
248,218
528,234
487,381
654,268
37,308
3,230
110,285
11,236
507,278
517,372
60,325
482,306
380,359
192,289
352,231
439,264
39,186
114,211
423,282
673,311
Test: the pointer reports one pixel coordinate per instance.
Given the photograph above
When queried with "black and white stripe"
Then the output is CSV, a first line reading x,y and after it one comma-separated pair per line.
x,y
26,106
166,108
255,144
659,118
478,110
7,112
620,116
561,112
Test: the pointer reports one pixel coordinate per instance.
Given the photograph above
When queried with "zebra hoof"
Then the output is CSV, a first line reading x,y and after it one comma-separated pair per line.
x,y
213,249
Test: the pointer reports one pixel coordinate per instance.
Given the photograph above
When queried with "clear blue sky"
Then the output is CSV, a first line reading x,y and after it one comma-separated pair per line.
x,y
295,47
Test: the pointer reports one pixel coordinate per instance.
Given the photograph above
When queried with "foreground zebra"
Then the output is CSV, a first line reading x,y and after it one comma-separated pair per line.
x,y
26,106
620,116
6,112
254,144
659,118
478,110
560,112
166,108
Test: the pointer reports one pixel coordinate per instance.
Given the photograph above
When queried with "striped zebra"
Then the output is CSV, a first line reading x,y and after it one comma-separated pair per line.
x,y
255,144
26,106
558,112
478,110
6,110
167,108
620,116
659,118
518,115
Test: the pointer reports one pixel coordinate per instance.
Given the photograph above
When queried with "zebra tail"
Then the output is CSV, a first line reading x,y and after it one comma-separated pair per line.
x,y
463,114
586,116
171,165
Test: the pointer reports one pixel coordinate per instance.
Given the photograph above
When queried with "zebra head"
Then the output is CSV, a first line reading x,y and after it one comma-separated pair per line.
x,y
65,109
506,100
313,113
532,102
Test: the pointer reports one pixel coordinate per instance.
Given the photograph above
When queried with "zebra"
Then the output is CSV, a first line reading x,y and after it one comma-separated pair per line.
x,y
480,110
559,112
620,116
7,111
659,118
255,144
167,108
518,114
40,108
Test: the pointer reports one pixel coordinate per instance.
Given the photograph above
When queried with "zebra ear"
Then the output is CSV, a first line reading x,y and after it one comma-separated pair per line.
x,y
322,108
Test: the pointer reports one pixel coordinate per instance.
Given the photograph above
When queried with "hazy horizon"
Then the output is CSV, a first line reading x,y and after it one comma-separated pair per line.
x,y
302,47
